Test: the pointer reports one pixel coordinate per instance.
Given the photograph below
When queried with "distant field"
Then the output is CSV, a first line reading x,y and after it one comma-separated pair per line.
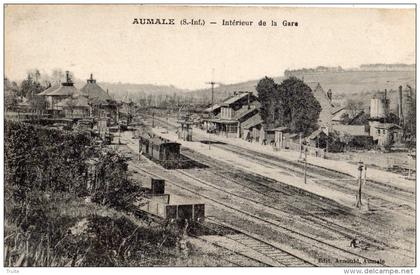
x,y
358,81
341,83
356,85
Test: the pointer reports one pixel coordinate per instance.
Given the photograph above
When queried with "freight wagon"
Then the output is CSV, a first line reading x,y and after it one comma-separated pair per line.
x,y
170,207
160,150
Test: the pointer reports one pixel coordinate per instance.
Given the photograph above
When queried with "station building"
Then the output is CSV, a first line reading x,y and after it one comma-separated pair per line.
x,y
232,115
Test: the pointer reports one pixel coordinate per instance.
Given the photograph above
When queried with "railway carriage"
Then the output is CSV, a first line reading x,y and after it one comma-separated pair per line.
x,y
160,150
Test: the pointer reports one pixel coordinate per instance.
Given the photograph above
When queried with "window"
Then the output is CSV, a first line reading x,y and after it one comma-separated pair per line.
x,y
226,113
232,128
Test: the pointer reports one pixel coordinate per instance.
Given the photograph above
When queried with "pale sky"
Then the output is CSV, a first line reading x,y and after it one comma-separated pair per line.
x,y
102,40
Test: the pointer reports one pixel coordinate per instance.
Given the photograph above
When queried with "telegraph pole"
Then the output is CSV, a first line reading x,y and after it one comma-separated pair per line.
x,y
305,165
359,194
212,83
300,145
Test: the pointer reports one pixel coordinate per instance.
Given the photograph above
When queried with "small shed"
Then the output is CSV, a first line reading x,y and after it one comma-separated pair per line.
x,y
252,127
172,207
318,139
386,134
280,137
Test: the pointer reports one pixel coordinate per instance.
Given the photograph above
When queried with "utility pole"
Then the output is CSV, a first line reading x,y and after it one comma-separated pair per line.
x,y
409,166
305,165
364,177
153,119
209,136
359,194
212,83
119,134
300,145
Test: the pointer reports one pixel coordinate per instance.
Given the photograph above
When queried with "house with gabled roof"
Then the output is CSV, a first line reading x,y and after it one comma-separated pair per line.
x,y
103,105
57,93
234,111
324,99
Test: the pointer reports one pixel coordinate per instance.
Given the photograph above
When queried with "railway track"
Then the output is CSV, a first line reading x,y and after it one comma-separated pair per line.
x,y
236,258
309,241
278,256
306,216
376,199
340,229
378,196
261,186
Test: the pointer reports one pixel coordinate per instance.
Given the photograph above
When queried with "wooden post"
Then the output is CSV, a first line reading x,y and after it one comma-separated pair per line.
x,y
305,166
409,167
365,177
209,136
300,145
359,194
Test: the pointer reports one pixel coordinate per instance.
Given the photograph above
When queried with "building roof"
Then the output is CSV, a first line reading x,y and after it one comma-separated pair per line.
x,y
49,90
94,92
64,90
292,136
352,130
212,108
230,100
222,121
243,112
158,140
327,108
335,110
352,115
253,121
280,129
316,133
386,126
314,85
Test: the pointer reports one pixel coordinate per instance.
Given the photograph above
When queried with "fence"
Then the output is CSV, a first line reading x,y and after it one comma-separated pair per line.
x,y
311,151
380,160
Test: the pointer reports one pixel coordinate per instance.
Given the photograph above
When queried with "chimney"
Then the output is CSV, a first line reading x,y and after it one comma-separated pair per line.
x,y
411,90
91,80
329,94
68,80
249,106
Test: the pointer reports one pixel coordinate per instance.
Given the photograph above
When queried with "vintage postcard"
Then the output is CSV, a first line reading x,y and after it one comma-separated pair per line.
x,y
210,136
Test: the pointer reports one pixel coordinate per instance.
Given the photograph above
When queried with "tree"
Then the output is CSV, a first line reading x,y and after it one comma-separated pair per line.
x,y
11,91
114,187
38,104
267,94
290,104
29,87
300,109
